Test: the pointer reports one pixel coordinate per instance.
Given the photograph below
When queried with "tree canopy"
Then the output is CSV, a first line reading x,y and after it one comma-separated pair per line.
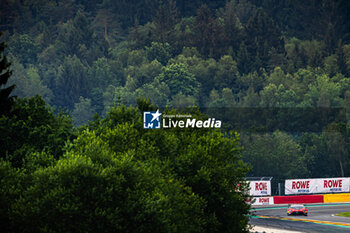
x,y
276,72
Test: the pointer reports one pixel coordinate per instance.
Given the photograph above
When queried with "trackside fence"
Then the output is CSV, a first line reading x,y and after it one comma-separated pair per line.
x,y
299,191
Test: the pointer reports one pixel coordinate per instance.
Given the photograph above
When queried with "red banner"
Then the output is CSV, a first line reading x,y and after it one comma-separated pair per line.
x,y
298,199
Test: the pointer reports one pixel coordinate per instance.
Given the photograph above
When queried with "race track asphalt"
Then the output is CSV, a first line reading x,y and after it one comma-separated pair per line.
x,y
320,218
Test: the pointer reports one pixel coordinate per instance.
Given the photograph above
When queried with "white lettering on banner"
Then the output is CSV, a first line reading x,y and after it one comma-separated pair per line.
x,y
327,185
260,188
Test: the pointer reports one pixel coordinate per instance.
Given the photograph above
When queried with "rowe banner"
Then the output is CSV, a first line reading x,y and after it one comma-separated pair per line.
x,y
262,201
260,188
326,185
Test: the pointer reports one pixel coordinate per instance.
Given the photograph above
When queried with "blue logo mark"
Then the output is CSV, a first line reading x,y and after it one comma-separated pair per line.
x,y
151,120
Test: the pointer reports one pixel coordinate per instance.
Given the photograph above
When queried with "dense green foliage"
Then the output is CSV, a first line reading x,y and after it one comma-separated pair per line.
x,y
32,127
98,51
116,176
90,56
87,57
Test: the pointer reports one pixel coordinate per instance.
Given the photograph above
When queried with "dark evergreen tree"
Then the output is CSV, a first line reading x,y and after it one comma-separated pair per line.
x,y
263,40
164,21
335,23
244,61
76,37
208,33
203,30
6,100
299,18
71,82
232,27
131,11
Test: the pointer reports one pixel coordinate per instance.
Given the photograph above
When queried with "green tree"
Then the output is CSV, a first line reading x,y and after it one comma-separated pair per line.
x,y
276,155
346,58
319,163
273,96
82,112
224,99
181,101
107,26
71,82
136,57
228,97
115,96
160,52
11,182
252,80
141,35
157,93
323,93
203,70
29,83
24,48
263,40
245,63
92,189
250,98
5,92
138,75
314,52
302,79
206,160
295,54
278,77
132,11
164,21
101,74
227,73
75,37
232,26
331,65
207,33
179,79
33,127
335,138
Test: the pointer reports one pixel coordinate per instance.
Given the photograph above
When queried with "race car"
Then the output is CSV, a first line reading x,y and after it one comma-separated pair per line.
x,y
297,210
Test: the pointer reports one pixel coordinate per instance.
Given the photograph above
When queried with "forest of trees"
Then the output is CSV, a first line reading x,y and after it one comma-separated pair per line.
x,y
89,61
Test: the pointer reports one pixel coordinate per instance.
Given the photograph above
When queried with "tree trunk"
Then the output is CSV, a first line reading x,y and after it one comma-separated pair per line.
x,y
341,168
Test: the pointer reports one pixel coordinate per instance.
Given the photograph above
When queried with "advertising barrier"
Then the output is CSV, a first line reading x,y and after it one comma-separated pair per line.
x,y
298,199
343,197
310,186
262,201
260,188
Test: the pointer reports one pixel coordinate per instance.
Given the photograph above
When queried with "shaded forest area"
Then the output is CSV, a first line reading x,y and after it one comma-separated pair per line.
x,y
88,56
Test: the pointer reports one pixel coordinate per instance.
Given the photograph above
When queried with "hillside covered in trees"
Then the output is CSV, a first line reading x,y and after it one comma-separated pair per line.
x,y
86,57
